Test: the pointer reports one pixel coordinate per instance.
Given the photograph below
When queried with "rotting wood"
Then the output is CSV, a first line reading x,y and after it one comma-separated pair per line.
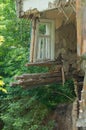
x,y
41,83
63,76
14,84
38,75
79,27
33,40
46,63
38,79
82,110
30,82
52,65
84,29
34,12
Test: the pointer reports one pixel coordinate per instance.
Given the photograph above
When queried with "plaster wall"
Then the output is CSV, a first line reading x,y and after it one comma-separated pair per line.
x,y
66,46
65,37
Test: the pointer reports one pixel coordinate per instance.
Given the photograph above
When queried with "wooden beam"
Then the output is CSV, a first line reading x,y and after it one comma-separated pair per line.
x,y
46,63
38,79
79,26
33,36
84,29
38,75
81,47
41,82
34,82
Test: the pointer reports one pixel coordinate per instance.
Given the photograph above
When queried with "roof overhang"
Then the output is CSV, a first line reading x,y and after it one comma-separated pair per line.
x,y
27,8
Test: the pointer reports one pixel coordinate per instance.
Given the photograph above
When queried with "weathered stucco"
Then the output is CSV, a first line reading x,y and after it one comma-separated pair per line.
x,y
65,36
66,46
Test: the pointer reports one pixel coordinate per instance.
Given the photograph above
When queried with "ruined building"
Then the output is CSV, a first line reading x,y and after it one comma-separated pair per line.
x,y
58,41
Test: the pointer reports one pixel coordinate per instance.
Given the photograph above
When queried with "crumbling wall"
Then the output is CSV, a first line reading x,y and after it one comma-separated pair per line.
x,y
63,117
65,38
66,45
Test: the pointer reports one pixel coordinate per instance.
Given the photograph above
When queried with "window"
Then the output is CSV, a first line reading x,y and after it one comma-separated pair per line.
x,y
44,41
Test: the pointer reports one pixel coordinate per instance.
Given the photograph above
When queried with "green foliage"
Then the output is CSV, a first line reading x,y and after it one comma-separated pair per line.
x,y
3,91
25,112
19,108
27,109
16,35
52,95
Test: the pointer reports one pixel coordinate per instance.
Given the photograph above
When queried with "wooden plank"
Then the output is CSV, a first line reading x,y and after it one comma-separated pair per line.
x,y
14,84
39,50
38,75
33,37
84,29
79,26
38,79
40,82
63,76
46,63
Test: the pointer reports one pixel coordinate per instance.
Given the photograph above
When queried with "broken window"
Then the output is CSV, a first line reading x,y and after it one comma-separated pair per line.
x,y
44,41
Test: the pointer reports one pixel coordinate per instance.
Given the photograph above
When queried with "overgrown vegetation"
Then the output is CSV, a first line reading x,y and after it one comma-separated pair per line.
x,y
19,108
27,109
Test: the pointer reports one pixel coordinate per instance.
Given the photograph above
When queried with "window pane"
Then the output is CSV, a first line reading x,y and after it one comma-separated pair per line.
x,y
43,51
42,29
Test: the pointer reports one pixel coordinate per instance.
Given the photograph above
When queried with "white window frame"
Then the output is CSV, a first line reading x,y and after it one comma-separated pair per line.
x,y
51,51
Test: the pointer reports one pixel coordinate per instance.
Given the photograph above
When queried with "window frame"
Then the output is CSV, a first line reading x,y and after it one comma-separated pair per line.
x,y
52,38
